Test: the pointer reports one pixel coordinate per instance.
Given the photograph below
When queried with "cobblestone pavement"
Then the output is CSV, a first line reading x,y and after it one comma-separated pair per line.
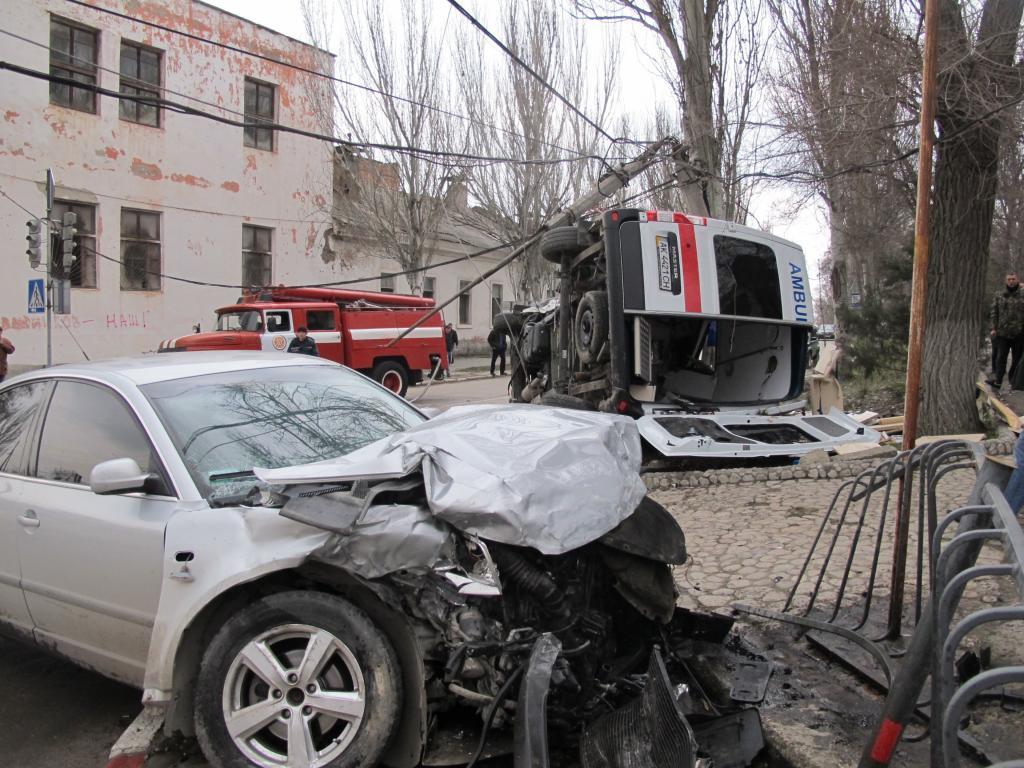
x,y
747,541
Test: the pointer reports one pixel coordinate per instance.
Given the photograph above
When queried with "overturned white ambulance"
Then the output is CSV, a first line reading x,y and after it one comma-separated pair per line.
x,y
698,328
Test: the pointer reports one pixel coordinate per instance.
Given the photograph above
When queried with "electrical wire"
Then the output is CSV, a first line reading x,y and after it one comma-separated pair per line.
x,y
428,155
530,70
297,67
331,284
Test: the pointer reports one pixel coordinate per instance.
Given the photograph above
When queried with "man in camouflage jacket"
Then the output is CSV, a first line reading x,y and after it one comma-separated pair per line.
x,y
1006,324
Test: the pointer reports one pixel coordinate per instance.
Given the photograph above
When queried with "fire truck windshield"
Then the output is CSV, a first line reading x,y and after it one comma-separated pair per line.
x,y
246,320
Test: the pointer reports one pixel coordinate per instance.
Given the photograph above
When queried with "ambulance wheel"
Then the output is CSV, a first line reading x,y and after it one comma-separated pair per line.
x,y
591,326
508,323
392,376
560,240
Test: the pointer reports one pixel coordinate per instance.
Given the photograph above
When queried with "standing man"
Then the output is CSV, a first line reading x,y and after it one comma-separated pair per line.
x,y
496,340
451,341
6,348
1006,323
302,344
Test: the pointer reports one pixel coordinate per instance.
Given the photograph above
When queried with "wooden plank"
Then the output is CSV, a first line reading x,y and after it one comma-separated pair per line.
x,y
1012,419
975,437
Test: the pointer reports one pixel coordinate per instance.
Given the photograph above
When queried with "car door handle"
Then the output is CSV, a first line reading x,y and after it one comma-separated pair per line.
x,y
29,519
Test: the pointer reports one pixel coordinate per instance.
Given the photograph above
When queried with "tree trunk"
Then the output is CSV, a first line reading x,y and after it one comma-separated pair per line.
x,y
975,81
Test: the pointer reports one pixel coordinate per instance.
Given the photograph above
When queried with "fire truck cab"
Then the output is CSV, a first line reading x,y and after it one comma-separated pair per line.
x,y
349,327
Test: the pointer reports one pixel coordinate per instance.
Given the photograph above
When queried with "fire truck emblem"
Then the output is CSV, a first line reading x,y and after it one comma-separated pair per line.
x,y
667,248
279,343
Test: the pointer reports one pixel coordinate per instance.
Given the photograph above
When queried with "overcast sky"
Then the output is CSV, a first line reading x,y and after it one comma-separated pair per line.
x,y
639,85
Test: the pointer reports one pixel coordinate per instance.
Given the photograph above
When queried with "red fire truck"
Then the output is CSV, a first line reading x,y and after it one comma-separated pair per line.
x,y
350,327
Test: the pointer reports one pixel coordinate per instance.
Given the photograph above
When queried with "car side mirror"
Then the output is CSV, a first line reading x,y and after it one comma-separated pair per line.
x,y
430,412
119,476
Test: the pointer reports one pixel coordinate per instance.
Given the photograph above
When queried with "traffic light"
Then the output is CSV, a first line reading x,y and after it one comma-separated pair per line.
x,y
35,242
67,236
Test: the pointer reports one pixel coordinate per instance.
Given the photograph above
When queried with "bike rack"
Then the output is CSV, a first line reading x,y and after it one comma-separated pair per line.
x,y
896,497
893,482
950,704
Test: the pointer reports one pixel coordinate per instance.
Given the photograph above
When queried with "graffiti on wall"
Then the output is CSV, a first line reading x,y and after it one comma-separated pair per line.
x,y
111,321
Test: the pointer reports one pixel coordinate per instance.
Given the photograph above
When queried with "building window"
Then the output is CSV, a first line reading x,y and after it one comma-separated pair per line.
x,y
497,304
73,50
140,250
257,257
429,284
140,76
465,317
259,108
81,271
387,283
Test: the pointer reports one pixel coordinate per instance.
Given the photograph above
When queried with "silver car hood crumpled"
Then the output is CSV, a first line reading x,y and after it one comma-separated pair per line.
x,y
548,478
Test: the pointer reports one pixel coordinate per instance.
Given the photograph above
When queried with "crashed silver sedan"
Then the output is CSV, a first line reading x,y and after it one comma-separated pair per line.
x,y
302,570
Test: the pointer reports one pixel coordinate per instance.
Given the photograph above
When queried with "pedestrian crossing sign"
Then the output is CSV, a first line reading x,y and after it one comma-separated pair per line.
x,y
36,302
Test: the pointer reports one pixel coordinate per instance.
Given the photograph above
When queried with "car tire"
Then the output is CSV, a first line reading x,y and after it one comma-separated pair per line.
x,y
558,241
590,326
560,400
392,376
357,679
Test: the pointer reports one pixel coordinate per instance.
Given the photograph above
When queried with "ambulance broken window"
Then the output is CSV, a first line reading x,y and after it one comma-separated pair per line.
x,y
748,279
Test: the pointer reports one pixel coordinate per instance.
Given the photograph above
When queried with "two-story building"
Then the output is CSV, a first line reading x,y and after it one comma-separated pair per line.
x,y
162,197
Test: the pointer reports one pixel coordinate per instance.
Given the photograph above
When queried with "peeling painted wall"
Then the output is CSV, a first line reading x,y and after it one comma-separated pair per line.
x,y
196,173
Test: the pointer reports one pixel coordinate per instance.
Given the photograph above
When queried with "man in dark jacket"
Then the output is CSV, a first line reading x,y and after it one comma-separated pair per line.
x,y
302,344
496,340
1006,327
451,341
6,348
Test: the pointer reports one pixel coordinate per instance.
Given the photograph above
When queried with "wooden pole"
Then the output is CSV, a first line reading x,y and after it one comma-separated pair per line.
x,y
918,309
919,289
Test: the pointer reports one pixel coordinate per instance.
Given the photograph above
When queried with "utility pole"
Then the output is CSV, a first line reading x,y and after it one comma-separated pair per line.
x,y
919,289
904,689
50,188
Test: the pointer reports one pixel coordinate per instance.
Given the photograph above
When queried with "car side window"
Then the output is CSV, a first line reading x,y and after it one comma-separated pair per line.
x,y
278,322
18,409
320,320
85,425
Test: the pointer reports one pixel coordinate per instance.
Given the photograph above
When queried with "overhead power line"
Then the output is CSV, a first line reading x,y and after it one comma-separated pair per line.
x,y
431,155
533,73
289,65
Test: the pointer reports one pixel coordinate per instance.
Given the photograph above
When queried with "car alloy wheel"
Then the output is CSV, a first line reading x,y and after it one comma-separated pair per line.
x,y
293,696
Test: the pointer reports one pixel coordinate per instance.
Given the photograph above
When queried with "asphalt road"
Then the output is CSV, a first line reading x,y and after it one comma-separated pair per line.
x,y
444,395
53,713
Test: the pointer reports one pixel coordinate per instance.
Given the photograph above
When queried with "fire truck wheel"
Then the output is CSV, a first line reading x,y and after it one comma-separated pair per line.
x,y
560,240
591,326
392,376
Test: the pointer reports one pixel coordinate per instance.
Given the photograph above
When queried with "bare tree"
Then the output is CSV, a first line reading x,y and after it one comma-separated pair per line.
x,y
390,197
844,94
514,115
714,53
979,83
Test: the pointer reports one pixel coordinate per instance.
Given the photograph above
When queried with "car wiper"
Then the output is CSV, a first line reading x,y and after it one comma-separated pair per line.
x,y
238,475
250,498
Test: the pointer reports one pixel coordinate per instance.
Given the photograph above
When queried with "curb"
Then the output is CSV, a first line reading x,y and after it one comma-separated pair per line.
x,y
133,746
830,470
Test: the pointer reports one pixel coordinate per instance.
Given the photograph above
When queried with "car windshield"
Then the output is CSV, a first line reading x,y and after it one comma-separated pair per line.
x,y
225,424
247,320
